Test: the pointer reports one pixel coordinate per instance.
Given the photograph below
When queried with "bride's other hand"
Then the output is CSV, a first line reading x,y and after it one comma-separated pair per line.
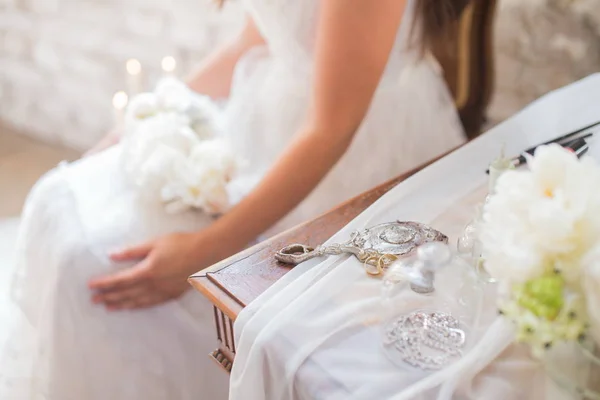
x,y
159,276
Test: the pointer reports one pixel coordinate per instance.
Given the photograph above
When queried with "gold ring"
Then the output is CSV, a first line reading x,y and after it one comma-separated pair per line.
x,y
368,262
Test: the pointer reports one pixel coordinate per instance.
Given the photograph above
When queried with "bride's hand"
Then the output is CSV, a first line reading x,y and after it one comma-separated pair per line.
x,y
161,274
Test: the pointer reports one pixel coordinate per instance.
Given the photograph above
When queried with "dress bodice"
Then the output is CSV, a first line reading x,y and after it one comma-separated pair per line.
x,y
271,96
290,27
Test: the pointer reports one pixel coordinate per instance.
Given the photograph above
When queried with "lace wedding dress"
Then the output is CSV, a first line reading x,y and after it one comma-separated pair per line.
x,y
66,348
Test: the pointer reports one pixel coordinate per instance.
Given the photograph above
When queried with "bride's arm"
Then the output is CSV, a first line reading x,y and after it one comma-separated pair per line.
x,y
214,75
355,38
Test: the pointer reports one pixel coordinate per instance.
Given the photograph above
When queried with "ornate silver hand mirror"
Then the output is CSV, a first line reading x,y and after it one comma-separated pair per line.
x,y
375,247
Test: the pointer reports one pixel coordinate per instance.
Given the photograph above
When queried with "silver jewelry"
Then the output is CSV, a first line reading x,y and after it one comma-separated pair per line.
x,y
426,340
376,247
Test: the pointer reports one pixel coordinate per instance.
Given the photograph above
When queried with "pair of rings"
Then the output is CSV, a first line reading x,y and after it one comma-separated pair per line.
x,y
376,264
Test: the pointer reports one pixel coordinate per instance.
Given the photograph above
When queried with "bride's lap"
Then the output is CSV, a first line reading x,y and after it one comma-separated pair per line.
x,y
76,215
64,241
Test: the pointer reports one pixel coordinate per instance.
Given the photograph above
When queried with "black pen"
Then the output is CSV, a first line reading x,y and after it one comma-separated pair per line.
x,y
578,146
582,152
562,140
565,142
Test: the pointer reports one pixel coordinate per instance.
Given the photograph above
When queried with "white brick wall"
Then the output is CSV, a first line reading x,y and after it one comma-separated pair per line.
x,y
61,61
542,45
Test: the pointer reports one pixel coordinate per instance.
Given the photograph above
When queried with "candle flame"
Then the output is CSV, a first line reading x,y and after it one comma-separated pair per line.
x,y
120,100
133,67
169,64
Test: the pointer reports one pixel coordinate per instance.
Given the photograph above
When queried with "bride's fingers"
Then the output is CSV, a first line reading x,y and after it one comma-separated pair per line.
x,y
123,279
132,253
146,301
114,298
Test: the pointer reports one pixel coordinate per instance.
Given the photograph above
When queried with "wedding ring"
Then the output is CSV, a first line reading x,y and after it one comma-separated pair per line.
x,y
371,266
386,260
376,264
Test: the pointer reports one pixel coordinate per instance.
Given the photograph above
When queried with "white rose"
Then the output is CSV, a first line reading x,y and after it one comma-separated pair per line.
x,y
508,244
214,192
140,146
173,95
197,187
157,170
169,129
201,182
205,117
216,154
142,106
173,150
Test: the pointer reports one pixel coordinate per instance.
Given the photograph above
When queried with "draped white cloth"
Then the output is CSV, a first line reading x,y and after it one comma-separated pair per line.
x,y
315,333
79,212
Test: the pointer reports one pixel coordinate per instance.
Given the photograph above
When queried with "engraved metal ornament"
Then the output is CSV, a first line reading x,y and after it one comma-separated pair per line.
x,y
425,340
376,247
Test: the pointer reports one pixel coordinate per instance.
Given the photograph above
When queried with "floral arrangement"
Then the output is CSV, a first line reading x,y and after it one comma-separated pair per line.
x,y
173,149
540,236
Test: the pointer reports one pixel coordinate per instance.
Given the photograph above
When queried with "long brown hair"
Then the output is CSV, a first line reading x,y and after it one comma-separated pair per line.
x,y
436,18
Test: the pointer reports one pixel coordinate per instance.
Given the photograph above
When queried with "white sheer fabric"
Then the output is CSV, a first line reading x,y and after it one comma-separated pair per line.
x,y
315,333
79,212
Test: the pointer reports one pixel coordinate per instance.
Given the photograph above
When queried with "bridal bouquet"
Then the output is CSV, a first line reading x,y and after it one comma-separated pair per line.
x,y
173,149
540,237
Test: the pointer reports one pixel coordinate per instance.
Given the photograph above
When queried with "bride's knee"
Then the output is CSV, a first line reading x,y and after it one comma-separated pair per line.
x,y
47,207
50,186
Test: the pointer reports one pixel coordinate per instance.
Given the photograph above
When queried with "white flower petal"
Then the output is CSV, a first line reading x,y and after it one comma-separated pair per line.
x,y
547,213
173,95
141,106
177,154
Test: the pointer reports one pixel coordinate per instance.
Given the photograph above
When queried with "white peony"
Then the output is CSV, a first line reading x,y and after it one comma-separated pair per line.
x,y
158,169
149,140
201,182
142,106
205,117
173,95
173,150
543,218
215,155
541,239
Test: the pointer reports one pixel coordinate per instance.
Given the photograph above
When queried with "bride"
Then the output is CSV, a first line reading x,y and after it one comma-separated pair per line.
x,y
325,100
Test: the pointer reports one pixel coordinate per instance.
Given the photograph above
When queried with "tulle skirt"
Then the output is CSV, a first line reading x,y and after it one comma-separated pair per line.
x,y
63,347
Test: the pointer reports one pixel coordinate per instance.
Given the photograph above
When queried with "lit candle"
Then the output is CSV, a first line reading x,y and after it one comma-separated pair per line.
x,y
169,65
120,100
134,76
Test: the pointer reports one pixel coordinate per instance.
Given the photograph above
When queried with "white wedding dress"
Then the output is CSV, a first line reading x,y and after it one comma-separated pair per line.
x,y
65,348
